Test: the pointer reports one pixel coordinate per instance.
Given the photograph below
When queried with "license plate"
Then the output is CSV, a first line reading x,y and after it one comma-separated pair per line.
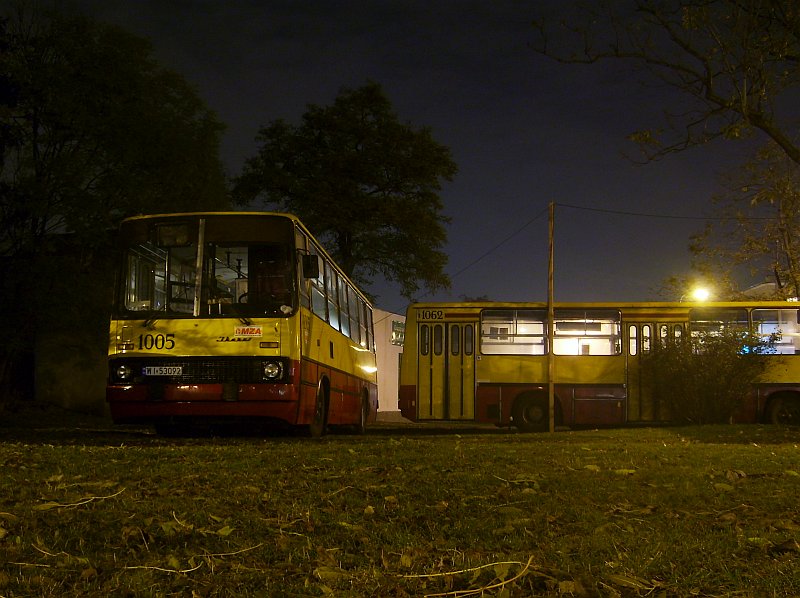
x,y
162,370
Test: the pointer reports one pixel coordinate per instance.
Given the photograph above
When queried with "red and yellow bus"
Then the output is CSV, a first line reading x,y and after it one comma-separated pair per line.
x,y
236,316
489,362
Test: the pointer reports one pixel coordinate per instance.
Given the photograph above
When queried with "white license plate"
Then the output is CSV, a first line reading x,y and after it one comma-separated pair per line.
x,y
162,370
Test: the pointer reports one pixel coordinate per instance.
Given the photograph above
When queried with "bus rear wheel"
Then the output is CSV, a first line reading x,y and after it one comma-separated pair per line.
x,y
784,410
361,426
319,424
530,413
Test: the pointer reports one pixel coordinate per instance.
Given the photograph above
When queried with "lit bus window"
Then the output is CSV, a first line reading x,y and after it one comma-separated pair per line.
x,y
632,339
318,291
331,293
587,332
779,326
366,327
344,312
424,339
646,338
513,331
352,308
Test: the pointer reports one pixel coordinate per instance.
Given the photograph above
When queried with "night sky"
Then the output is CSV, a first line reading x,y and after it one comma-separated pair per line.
x,y
524,130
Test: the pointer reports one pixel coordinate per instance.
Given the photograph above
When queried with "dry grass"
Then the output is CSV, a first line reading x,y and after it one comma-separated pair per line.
x,y
89,510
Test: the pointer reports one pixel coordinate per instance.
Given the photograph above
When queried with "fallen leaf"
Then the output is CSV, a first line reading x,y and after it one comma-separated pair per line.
x,y
330,574
624,471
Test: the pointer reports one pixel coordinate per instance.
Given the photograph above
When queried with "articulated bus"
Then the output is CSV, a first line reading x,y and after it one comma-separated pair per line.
x,y
488,362
236,316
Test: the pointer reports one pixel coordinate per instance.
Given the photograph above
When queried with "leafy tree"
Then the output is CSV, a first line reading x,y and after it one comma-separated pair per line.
x,y
735,62
366,184
705,379
92,129
757,224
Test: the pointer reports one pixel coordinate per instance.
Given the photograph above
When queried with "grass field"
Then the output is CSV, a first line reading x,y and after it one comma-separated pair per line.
x,y
87,509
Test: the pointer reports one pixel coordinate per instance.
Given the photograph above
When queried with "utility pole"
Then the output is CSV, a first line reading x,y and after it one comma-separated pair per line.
x,y
551,395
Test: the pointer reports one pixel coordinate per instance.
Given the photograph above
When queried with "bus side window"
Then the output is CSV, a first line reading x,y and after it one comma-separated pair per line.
x,y
632,340
318,291
355,326
344,314
367,327
455,340
424,339
646,338
332,295
469,340
437,339
301,246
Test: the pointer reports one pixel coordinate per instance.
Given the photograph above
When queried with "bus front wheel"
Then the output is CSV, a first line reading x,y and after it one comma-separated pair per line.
x,y
530,413
784,410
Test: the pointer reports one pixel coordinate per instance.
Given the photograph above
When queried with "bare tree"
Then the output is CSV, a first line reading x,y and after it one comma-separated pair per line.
x,y
757,222
734,62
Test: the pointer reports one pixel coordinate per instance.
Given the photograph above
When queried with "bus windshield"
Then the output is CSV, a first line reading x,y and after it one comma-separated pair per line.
x,y
228,268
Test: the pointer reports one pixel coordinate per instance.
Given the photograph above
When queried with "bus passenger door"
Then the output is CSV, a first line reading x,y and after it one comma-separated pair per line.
x,y
639,337
446,371
460,369
430,371
643,339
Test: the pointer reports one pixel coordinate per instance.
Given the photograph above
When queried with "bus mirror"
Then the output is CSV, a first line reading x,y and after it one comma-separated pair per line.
x,y
310,266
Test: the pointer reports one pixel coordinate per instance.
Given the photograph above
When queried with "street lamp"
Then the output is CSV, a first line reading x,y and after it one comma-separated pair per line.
x,y
697,294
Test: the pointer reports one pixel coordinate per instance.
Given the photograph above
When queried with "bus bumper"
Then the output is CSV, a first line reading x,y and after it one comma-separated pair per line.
x,y
147,403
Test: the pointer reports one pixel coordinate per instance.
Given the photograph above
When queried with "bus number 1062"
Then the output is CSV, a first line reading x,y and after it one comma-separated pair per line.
x,y
431,314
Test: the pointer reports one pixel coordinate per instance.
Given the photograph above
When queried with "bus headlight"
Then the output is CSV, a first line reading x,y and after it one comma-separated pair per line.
x,y
273,370
123,373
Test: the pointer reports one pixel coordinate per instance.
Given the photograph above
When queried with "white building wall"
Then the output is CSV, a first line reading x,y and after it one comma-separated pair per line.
x,y
387,353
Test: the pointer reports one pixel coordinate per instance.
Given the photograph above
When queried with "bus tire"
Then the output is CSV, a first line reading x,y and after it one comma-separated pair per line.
x,y
784,410
530,413
319,424
361,426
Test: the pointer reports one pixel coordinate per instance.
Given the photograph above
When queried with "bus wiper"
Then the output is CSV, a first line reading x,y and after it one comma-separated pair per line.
x,y
244,321
156,315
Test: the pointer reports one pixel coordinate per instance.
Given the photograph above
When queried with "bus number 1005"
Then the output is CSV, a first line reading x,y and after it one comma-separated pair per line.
x,y
431,314
156,341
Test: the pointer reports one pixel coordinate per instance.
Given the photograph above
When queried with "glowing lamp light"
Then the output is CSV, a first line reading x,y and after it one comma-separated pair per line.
x,y
700,294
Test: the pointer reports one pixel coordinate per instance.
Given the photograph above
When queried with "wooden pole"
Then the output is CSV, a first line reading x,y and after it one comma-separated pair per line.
x,y
551,395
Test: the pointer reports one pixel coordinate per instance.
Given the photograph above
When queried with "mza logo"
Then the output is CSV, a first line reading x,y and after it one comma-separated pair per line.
x,y
247,331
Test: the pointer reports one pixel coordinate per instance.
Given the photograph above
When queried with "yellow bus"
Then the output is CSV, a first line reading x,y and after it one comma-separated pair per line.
x,y
236,316
488,361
